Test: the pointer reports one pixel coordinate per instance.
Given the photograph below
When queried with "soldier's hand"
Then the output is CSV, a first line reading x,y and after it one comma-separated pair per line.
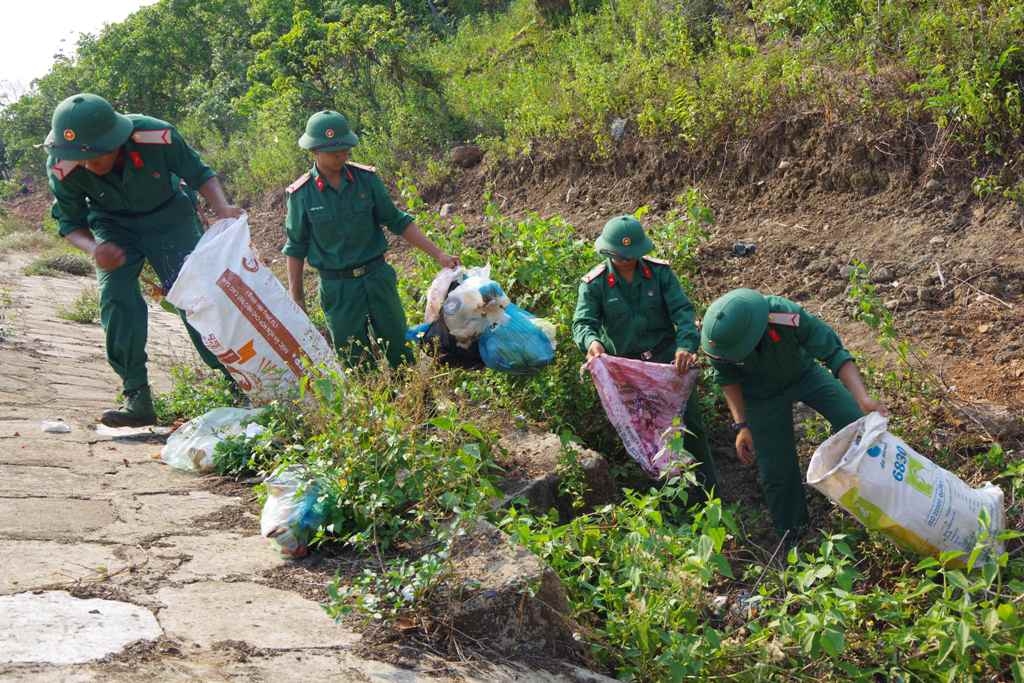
x,y
108,256
227,211
870,405
745,446
595,349
448,261
685,360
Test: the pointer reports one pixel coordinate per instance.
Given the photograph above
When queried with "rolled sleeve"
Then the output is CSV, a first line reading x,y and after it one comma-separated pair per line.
x,y
385,211
186,162
296,230
724,374
822,342
680,311
586,321
70,209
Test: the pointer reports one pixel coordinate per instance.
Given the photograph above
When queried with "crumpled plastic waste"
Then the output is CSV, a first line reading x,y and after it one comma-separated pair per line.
x,y
445,281
191,446
55,427
293,512
475,306
520,345
642,400
472,322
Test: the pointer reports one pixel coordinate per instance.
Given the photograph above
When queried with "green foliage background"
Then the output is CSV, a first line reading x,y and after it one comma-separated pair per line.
x,y
239,77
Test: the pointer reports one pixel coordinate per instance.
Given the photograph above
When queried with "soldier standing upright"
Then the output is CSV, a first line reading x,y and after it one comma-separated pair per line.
x,y
335,214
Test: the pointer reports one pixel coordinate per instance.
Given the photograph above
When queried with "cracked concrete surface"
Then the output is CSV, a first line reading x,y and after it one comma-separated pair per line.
x,y
98,517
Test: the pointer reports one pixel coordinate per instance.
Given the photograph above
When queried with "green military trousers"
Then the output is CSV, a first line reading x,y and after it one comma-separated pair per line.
x,y
697,442
164,238
771,424
354,305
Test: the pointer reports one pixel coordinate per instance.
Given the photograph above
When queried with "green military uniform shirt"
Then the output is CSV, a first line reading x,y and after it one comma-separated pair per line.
x,y
782,369
155,159
142,208
649,315
649,318
337,229
790,345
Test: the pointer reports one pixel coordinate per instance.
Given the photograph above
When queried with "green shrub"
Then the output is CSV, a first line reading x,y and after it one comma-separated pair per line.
x,y
193,392
16,236
59,261
84,309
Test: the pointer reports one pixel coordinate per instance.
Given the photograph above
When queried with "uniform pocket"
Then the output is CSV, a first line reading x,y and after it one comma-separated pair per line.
x,y
326,230
651,299
616,309
360,207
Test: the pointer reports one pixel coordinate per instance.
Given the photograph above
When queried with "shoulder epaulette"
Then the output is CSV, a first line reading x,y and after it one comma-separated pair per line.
x,y
63,168
299,182
161,136
657,261
784,319
363,167
594,273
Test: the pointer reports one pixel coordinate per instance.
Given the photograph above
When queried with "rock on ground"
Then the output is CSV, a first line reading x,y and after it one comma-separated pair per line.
x,y
506,598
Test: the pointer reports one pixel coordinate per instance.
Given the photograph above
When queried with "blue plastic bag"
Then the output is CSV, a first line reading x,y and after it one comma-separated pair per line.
x,y
293,512
517,346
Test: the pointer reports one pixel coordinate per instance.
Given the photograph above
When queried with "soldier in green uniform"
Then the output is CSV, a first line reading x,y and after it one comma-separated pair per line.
x,y
116,181
335,214
633,306
768,352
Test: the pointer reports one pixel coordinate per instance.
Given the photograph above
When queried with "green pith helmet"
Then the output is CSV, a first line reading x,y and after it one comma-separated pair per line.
x,y
85,126
328,131
733,325
623,236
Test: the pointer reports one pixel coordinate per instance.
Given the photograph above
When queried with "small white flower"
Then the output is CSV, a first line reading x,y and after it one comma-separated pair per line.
x,y
408,593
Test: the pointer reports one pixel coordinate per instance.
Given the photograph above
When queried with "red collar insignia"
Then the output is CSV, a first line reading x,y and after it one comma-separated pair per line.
x,y
348,172
611,280
136,159
774,335
320,183
645,270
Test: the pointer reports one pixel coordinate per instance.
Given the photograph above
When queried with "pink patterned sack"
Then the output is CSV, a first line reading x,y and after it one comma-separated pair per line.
x,y
641,400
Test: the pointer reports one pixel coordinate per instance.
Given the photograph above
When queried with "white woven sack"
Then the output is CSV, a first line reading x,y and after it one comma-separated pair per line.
x,y
891,488
244,315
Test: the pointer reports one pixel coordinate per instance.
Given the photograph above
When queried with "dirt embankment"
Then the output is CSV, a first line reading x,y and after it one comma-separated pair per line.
x,y
813,196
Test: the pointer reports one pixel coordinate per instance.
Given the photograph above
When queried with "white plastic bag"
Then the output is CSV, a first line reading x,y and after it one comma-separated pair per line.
x,y
292,512
475,306
191,446
438,292
891,488
244,315
642,400
442,283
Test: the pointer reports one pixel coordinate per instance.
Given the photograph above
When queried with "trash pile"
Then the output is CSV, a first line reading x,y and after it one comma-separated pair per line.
x,y
642,401
472,323
191,446
891,488
244,315
293,511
